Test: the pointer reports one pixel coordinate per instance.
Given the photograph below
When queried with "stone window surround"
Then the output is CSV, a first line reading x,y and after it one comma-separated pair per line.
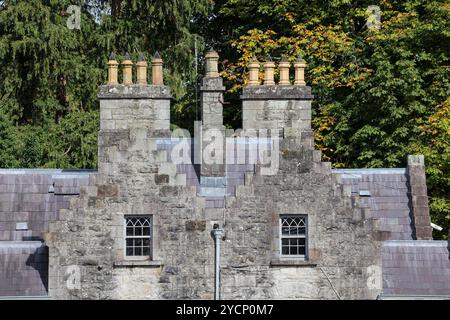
x,y
278,260
122,260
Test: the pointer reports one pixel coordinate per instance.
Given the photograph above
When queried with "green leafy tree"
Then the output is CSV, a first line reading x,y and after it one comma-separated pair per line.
x,y
371,86
167,26
434,143
50,73
379,93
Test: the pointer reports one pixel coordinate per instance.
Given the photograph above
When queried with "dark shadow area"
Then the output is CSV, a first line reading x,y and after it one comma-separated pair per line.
x,y
448,245
32,238
232,110
39,261
194,165
410,206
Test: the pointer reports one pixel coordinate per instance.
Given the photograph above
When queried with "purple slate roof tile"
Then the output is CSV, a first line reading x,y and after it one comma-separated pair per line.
x,y
23,268
416,267
388,200
25,197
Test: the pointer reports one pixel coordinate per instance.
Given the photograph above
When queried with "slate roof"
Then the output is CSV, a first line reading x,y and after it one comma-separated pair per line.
x,y
29,200
24,268
385,193
416,268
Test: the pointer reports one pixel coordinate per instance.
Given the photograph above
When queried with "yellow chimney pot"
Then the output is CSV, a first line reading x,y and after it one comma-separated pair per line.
x,y
269,67
299,67
284,71
253,76
141,71
113,67
127,70
157,70
212,64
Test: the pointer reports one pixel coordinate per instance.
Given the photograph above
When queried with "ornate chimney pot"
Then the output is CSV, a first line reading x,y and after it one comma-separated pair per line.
x,y
157,70
284,71
127,67
299,67
253,68
269,67
141,70
113,67
212,68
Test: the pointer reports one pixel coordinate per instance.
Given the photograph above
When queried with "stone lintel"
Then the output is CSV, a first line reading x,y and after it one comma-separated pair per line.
x,y
120,91
275,92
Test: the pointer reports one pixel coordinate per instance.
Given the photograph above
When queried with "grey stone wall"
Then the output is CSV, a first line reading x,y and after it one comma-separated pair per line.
x,y
134,106
342,243
213,130
277,107
135,178
211,96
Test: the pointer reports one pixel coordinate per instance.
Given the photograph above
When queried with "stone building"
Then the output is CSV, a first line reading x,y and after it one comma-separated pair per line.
x,y
140,227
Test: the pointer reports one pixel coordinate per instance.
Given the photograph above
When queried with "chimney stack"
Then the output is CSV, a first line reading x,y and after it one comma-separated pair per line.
x,y
284,106
131,116
212,130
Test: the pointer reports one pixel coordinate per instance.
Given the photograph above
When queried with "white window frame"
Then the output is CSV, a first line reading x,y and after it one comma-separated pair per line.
x,y
125,237
305,236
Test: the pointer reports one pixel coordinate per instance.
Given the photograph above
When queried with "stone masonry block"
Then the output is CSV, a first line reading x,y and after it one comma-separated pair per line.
x,y
180,179
195,225
167,168
416,160
107,191
420,201
161,179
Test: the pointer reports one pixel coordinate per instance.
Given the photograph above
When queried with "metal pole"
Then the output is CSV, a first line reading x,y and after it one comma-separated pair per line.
x,y
217,233
196,78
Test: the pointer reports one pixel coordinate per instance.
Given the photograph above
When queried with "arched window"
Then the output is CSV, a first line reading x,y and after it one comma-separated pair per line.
x,y
293,235
138,236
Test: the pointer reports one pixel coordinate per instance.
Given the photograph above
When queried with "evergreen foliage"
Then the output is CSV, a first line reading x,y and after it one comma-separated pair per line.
x,y
380,94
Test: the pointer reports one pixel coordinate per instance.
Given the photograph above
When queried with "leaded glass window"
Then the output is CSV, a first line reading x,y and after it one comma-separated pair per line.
x,y
138,236
293,235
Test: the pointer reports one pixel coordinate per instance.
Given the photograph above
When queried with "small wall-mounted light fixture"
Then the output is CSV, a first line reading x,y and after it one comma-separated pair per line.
x,y
435,226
